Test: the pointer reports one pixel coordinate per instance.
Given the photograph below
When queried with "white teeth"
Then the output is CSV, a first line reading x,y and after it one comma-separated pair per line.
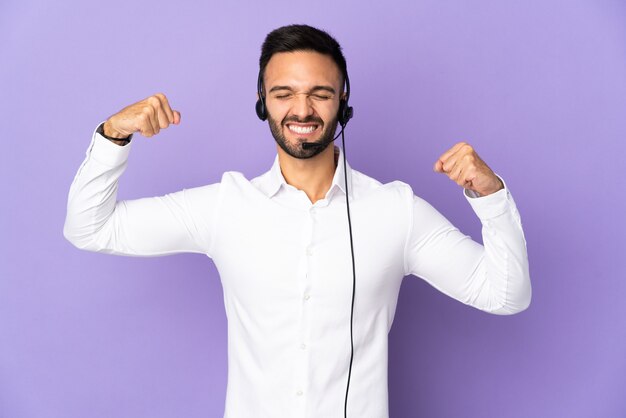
x,y
302,129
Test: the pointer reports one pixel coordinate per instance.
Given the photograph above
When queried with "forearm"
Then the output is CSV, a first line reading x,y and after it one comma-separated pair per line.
x,y
501,282
492,277
93,193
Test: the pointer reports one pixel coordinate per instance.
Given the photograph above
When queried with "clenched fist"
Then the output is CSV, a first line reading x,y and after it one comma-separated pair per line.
x,y
147,117
463,166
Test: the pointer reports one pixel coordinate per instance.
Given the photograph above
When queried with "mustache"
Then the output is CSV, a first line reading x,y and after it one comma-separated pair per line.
x,y
308,119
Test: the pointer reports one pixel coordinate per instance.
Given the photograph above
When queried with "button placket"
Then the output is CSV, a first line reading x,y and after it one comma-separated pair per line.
x,y
300,344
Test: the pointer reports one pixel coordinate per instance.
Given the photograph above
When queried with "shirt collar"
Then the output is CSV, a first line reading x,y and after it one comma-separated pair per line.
x,y
276,180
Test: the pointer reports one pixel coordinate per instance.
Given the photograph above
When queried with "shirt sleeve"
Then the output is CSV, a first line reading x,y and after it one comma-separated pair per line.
x,y
96,221
493,277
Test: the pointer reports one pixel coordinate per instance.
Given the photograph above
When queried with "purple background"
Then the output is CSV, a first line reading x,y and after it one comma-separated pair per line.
x,y
538,87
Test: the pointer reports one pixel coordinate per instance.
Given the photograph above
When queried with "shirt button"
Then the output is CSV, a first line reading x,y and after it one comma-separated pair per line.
x,y
302,346
309,251
307,297
299,393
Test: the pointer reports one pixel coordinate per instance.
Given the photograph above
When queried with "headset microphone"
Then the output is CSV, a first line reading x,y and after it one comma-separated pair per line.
x,y
309,145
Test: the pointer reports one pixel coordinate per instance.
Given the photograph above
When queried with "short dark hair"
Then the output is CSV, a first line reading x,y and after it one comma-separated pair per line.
x,y
301,38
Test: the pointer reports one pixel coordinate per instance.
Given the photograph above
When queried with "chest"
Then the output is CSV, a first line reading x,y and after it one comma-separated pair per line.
x,y
265,251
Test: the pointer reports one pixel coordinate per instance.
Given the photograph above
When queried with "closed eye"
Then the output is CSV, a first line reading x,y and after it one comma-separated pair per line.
x,y
317,93
321,96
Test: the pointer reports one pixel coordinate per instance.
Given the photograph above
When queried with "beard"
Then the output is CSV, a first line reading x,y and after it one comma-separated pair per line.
x,y
296,150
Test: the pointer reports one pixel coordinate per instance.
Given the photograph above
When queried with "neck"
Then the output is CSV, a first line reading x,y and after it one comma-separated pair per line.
x,y
313,176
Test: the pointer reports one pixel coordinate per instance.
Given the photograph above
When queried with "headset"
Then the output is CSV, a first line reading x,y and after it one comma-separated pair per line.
x,y
344,114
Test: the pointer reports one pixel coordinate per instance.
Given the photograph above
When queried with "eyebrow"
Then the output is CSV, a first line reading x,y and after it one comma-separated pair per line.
x,y
312,90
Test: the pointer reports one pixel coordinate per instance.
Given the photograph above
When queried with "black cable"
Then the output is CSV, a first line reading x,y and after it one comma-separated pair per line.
x,y
345,173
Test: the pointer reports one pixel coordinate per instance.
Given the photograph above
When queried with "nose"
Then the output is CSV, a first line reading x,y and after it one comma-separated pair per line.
x,y
302,106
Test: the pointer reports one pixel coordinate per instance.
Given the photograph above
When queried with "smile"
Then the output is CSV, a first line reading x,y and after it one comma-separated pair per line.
x,y
302,130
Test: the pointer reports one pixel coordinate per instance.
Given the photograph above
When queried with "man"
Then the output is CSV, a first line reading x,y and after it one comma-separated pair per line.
x,y
282,247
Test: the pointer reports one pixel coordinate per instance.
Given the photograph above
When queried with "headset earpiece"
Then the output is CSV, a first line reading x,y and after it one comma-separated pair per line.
x,y
261,112
345,112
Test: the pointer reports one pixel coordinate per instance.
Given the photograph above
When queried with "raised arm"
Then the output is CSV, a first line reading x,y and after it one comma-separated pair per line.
x,y
493,277
96,221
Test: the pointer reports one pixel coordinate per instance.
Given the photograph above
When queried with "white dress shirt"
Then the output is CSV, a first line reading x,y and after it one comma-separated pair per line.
x,y
286,271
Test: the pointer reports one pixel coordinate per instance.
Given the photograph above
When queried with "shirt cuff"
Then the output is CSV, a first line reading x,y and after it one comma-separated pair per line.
x,y
490,206
107,152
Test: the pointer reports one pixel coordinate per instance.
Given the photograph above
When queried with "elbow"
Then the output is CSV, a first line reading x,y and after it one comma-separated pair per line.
x,y
515,305
519,306
71,237
524,297
526,304
77,240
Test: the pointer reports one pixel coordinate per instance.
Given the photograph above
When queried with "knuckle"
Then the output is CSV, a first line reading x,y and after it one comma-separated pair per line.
x,y
154,101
